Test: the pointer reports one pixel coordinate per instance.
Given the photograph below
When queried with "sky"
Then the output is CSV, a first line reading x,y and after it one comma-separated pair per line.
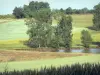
x,y
7,6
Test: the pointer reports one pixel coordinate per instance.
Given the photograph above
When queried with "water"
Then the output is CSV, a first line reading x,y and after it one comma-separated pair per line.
x,y
92,50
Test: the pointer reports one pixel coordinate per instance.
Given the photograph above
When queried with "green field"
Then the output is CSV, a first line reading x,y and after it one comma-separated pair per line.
x,y
12,32
37,64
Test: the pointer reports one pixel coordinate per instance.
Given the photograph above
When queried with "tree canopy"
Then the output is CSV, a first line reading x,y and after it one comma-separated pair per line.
x,y
86,39
34,7
64,32
39,24
18,12
96,18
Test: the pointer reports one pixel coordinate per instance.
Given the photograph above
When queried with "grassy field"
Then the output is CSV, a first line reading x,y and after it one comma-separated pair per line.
x,y
12,32
37,64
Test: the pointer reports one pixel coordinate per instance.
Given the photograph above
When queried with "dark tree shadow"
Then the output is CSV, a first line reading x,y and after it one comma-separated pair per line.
x,y
96,43
91,28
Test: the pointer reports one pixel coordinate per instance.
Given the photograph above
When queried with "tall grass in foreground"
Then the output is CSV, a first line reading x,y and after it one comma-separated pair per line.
x,y
76,69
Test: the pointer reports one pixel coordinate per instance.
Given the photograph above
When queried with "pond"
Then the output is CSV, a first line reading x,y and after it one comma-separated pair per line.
x,y
92,50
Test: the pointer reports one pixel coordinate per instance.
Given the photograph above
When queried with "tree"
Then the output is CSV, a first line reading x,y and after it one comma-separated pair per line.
x,y
27,11
57,14
69,10
86,39
33,7
18,12
96,18
65,30
84,10
62,10
39,28
43,15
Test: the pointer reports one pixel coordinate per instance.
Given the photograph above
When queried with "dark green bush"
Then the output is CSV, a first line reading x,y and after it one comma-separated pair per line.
x,y
76,69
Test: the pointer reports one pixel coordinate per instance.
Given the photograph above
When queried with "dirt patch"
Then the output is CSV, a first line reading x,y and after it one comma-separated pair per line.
x,y
12,55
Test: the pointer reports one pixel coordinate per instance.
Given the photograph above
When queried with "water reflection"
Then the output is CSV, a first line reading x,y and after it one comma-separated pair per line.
x,y
92,50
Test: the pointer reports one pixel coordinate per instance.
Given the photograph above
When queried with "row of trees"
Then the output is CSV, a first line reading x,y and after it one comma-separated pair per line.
x,y
43,34
40,30
29,10
69,10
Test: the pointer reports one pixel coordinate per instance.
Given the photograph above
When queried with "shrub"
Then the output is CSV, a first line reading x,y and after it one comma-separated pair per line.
x,y
76,69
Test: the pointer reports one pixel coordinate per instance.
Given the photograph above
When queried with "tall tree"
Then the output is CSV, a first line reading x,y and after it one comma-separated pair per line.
x,y
96,18
86,39
65,30
18,12
40,29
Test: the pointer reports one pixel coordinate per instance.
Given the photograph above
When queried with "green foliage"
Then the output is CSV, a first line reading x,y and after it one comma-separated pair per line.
x,y
75,69
39,27
84,10
86,39
65,30
27,11
57,15
62,10
18,12
69,10
96,18
63,33
43,15
35,7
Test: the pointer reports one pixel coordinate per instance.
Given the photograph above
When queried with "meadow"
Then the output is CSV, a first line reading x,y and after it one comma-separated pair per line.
x,y
13,31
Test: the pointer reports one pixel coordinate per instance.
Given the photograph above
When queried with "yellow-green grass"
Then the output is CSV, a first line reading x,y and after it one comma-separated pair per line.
x,y
12,32
82,20
37,64
13,44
